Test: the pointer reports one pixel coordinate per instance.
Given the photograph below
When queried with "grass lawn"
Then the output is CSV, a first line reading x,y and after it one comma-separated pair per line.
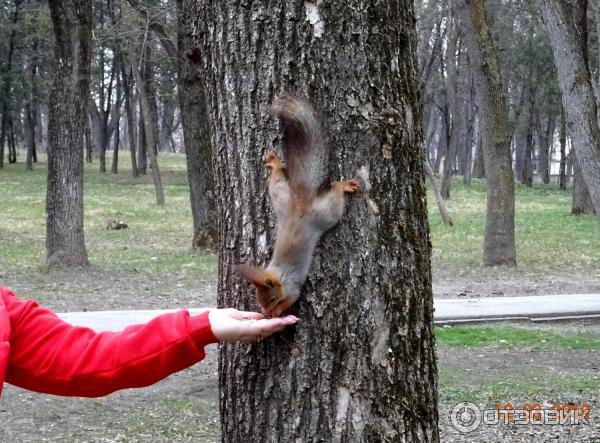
x,y
546,233
157,238
510,337
520,374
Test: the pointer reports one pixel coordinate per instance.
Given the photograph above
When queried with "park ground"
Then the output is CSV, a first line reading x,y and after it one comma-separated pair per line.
x,y
150,265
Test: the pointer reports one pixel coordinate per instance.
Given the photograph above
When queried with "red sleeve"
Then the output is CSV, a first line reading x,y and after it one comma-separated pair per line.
x,y
51,356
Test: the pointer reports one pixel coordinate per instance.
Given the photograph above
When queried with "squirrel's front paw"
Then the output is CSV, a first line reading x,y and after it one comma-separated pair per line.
x,y
351,186
272,160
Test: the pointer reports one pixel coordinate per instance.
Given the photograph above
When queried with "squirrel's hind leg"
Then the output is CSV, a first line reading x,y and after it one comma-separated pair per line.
x,y
328,207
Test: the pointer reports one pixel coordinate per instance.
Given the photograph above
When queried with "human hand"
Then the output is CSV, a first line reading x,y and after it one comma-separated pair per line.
x,y
233,325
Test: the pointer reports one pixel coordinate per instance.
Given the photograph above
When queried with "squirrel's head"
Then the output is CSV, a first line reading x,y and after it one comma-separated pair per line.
x,y
269,289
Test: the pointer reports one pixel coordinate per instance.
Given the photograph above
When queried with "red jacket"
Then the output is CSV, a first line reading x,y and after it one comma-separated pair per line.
x,y
40,352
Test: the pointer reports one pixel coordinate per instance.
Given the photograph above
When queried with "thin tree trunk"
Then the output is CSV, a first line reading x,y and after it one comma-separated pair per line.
x,y
12,146
30,128
365,353
117,129
499,242
562,178
441,204
72,21
453,108
130,117
470,118
529,147
31,107
142,144
442,147
545,142
88,140
149,134
147,76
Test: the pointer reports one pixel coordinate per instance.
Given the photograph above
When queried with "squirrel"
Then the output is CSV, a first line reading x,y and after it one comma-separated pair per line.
x,y
303,205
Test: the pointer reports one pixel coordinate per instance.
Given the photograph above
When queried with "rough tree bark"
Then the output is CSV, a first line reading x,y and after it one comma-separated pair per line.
x,y
581,202
72,20
478,167
566,24
362,366
196,127
499,241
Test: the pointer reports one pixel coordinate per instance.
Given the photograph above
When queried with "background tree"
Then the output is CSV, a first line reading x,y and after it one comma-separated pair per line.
x,y
72,21
566,23
499,240
362,366
196,128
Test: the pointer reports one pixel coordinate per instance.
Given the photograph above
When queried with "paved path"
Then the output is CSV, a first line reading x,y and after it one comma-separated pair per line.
x,y
447,311
533,308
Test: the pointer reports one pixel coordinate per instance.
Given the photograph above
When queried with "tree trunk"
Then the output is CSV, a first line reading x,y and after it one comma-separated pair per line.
x,y
441,204
5,98
442,147
362,366
142,144
562,177
31,107
149,132
130,117
478,167
147,78
470,136
196,128
529,147
72,21
566,24
499,241
105,111
12,146
117,130
581,203
30,120
88,140
545,142
453,63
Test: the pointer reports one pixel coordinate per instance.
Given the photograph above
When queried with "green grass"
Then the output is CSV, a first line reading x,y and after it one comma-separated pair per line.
x,y
512,337
521,381
546,233
158,238
526,385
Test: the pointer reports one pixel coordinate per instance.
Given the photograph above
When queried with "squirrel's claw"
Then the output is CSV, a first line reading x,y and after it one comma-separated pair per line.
x,y
351,186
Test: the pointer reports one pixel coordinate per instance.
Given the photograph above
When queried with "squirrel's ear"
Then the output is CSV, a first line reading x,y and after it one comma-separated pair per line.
x,y
255,275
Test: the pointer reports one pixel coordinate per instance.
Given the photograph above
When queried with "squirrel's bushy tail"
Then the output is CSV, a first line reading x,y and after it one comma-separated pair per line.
x,y
305,151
